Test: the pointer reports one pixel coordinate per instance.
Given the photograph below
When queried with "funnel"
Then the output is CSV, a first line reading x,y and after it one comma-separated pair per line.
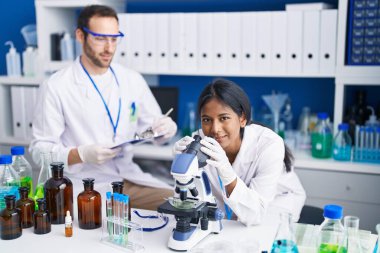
x,y
30,35
275,102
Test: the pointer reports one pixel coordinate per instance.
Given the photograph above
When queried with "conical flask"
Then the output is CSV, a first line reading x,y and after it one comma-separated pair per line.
x,y
45,174
284,241
377,247
351,239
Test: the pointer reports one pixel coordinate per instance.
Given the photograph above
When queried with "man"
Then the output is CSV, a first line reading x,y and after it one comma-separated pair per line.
x,y
93,104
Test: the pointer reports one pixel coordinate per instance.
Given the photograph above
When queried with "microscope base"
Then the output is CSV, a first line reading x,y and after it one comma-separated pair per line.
x,y
182,244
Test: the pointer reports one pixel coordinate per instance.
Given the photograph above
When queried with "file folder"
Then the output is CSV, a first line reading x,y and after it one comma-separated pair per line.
x,y
122,55
135,45
176,42
329,19
162,42
234,42
248,42
279,34
150,43
264,41
190,61
30,100
220,42
18,112
294,42
311,40
205,42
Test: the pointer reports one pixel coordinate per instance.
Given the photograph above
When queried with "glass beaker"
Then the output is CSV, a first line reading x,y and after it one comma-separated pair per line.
x,y
45,174
351,240
377,247
284,241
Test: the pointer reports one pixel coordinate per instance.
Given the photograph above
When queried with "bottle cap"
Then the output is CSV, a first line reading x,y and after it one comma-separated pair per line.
x,y
343,126
88,181
126,198
322,115
333,211
68,218
41,201
369,129
17,150
5,159
57,165
9,197
117,187
23,189
108,195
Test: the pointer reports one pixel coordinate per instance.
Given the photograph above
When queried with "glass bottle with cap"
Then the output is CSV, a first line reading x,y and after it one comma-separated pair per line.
x,y
58,194
331,231
342,144
321,138
27,207
89,206
284,241
9,179
42,223
23,168
10,219
117,187
351,240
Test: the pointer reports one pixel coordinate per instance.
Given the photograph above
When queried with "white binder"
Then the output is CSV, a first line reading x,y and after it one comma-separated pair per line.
x,y
121,55
234,47
18,112
176,43
150,43
248,42
162,42
135,43
220,42
264,41
205,42
311,39
279,34
294,42
30,100
190,62
329,19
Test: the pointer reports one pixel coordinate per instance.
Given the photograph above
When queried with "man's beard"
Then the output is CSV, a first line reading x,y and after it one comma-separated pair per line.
x,y
91,55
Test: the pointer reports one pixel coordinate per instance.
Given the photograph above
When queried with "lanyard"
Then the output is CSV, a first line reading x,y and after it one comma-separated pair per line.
x,y
165,219
228,209
114,126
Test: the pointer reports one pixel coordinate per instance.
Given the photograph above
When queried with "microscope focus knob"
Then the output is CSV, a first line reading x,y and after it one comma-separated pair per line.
x,y
204,223
183,194
194,192
177,190
215,214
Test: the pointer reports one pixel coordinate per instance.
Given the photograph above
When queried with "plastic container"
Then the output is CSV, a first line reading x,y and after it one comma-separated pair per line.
x,y
331,231
26,205
9,179
321,138
342,144
10,220
23,168
29,32
67,47
89,206
372,121
29,60
58,194
13,61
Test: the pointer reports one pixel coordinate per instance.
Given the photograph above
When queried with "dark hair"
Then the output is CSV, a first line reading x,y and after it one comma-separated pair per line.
x,y
234,96
94,11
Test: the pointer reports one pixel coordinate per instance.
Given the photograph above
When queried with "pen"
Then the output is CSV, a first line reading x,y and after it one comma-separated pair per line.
x,y
168,112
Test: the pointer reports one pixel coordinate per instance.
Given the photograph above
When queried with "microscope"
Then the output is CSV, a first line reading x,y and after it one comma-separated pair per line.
x,y
197,216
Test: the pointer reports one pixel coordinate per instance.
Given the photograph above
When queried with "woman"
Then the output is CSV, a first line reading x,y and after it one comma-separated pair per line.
x,y
250,168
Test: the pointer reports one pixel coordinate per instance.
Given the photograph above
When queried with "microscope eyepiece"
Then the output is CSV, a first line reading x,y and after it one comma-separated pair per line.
x,y
195,148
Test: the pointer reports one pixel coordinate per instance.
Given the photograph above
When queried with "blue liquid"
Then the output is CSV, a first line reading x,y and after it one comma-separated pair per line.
x,y
284,246
342,153
8,190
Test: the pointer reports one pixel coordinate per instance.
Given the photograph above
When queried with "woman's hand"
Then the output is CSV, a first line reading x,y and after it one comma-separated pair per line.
x,y
182,144
219,160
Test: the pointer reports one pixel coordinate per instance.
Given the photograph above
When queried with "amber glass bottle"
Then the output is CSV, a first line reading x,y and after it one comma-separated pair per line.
x,y
10,219
42,224
58,194
27,206
89,206
117,187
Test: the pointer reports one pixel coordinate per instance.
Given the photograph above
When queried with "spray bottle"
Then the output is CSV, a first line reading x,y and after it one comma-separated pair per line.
x,y
13,61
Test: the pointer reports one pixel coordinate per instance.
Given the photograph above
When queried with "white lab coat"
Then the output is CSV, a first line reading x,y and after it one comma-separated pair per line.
x,y
263,186
70,113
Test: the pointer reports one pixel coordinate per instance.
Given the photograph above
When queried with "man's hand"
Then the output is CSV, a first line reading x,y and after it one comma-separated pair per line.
x,y
97,154
165,126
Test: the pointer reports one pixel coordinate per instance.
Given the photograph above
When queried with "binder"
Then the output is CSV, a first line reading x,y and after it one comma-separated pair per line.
x,y
220,42
294,41
121,54
329,19
234,42
162,25
205,42
311,40
135,43
264,40
279,34
18,112
248,42
176,43
30,100
190,62
150,43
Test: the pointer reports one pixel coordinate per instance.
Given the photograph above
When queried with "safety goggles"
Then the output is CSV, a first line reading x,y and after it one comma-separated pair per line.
x,y
102,39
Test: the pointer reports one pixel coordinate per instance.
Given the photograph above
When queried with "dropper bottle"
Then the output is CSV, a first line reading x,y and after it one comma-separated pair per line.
x,y
68,225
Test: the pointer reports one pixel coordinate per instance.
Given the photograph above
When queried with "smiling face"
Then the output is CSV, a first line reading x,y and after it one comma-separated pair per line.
x,y
220,122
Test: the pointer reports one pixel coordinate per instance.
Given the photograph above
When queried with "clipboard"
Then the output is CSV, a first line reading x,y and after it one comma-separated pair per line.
x,y
134,141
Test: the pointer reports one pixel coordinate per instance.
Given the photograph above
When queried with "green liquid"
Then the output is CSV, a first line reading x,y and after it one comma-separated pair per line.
x,y
331,248
39,193
28,182
321,145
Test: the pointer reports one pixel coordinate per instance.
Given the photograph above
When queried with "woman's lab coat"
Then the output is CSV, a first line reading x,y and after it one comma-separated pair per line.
x,y
263,186
70,113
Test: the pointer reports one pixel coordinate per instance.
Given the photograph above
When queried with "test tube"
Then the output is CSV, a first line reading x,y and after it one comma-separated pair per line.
x,y
109,214
356,153
361,139
377,137
125,216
